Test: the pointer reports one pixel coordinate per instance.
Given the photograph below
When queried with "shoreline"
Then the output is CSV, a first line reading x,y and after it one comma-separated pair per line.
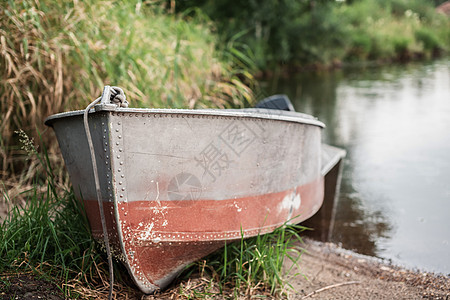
x,y
335,273
324,271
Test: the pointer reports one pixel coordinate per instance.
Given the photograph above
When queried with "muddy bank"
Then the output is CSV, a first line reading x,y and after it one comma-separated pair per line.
x,y
329,272
334,273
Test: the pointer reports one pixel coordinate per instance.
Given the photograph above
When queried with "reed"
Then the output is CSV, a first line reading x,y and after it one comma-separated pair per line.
x,y
57,56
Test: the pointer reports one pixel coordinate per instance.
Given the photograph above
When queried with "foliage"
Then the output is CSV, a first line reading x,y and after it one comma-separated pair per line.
x,y
327,32
395,29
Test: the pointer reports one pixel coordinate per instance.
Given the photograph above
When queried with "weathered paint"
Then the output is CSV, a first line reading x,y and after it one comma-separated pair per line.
x,y
178,184
190,227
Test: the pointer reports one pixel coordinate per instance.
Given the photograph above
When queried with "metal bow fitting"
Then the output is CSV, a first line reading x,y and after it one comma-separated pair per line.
x,y
118,97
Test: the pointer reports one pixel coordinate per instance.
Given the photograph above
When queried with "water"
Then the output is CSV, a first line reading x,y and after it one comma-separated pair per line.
x,y
394,123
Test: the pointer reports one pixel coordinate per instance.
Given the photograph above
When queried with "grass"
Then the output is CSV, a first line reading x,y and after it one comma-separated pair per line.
x,y
49,237
49,234
246,268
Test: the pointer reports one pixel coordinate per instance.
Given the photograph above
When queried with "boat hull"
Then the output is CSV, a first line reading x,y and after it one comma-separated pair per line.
x,y
178,184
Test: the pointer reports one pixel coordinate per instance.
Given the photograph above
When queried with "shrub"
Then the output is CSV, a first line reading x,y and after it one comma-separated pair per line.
x,y
429,39
402,46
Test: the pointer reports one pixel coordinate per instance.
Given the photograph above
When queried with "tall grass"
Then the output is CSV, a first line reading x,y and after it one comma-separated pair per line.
x,y
57,56
49,235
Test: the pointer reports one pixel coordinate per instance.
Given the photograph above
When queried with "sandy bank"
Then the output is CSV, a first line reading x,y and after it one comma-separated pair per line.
x,y
334,273
329,272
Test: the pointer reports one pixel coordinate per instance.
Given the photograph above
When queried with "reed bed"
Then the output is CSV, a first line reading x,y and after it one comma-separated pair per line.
x,y
58,55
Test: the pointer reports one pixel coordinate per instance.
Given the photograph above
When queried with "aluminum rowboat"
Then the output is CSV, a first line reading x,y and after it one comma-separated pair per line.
x,y
176,184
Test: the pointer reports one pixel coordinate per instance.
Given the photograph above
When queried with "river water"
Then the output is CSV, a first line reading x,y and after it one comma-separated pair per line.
x,y
394,123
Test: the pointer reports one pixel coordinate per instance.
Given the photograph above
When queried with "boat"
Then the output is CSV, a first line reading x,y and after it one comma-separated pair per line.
x,y
169,186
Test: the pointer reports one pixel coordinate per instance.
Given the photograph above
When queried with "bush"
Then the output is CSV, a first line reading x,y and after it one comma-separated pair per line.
x,y
381,48
323,37
402,45
429,39
399,8
361,45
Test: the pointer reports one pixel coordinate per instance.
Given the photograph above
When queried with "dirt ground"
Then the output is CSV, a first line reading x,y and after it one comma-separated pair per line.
x,y
330,273
27,287
335,273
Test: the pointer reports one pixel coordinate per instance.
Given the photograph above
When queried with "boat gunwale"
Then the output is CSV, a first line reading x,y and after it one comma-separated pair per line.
x,y
257,113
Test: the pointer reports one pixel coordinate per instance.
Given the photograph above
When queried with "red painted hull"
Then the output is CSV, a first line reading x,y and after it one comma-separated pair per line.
x,y
161,237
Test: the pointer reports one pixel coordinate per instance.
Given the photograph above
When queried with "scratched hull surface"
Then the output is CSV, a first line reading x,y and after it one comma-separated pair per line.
x,y
176,184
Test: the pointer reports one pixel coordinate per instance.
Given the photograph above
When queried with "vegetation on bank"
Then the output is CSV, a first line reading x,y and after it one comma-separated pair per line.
x,y
329,32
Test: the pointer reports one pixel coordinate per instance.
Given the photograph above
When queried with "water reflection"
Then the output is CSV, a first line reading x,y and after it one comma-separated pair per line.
x,y
394,123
